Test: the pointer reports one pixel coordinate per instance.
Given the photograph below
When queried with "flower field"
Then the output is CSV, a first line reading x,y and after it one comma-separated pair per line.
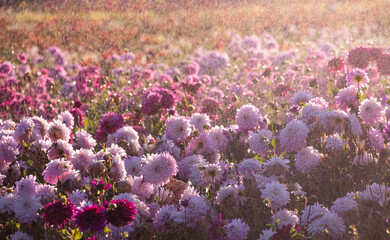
x,y
156,120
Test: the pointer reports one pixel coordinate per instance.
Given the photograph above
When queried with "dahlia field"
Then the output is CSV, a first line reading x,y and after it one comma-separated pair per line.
x,y
253,137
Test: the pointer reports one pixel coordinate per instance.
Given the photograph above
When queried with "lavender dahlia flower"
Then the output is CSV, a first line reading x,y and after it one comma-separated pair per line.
x,y
200,120
218,139
344,204
20,236
178,128
266,234
358,78
23,130
66,118
8,149
370,110
84,140
249,166
159,168
59,170
237,229
81,159
301,97
59,149
167,218
312,212
331,221
286,217
294,135
248,117
276,166
25,207
375,139
354,127
133,166
58,131
347,98
307,159
277,193
118,170
258,141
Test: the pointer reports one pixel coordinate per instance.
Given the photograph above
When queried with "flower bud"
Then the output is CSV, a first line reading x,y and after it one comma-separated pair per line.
x,y
124,186
96,168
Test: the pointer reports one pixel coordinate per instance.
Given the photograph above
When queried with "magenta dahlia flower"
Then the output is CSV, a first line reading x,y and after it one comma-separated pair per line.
x,y
284,233
336,64
359,57
216,228
151,103
110,122
210,106
57,213
383,64
101,185
91,218
155,99
78,116
120,212
22,58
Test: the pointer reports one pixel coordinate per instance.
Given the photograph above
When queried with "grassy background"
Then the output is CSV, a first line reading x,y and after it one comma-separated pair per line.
x,y
159,28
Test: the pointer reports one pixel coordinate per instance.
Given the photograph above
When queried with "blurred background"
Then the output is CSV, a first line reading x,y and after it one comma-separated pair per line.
x,y
167,30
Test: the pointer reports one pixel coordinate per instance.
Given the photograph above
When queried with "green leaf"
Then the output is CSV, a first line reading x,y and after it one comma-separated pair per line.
x,y
333,91
107,230
294,232
261,160
363,97
78,235
273,143
86,123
